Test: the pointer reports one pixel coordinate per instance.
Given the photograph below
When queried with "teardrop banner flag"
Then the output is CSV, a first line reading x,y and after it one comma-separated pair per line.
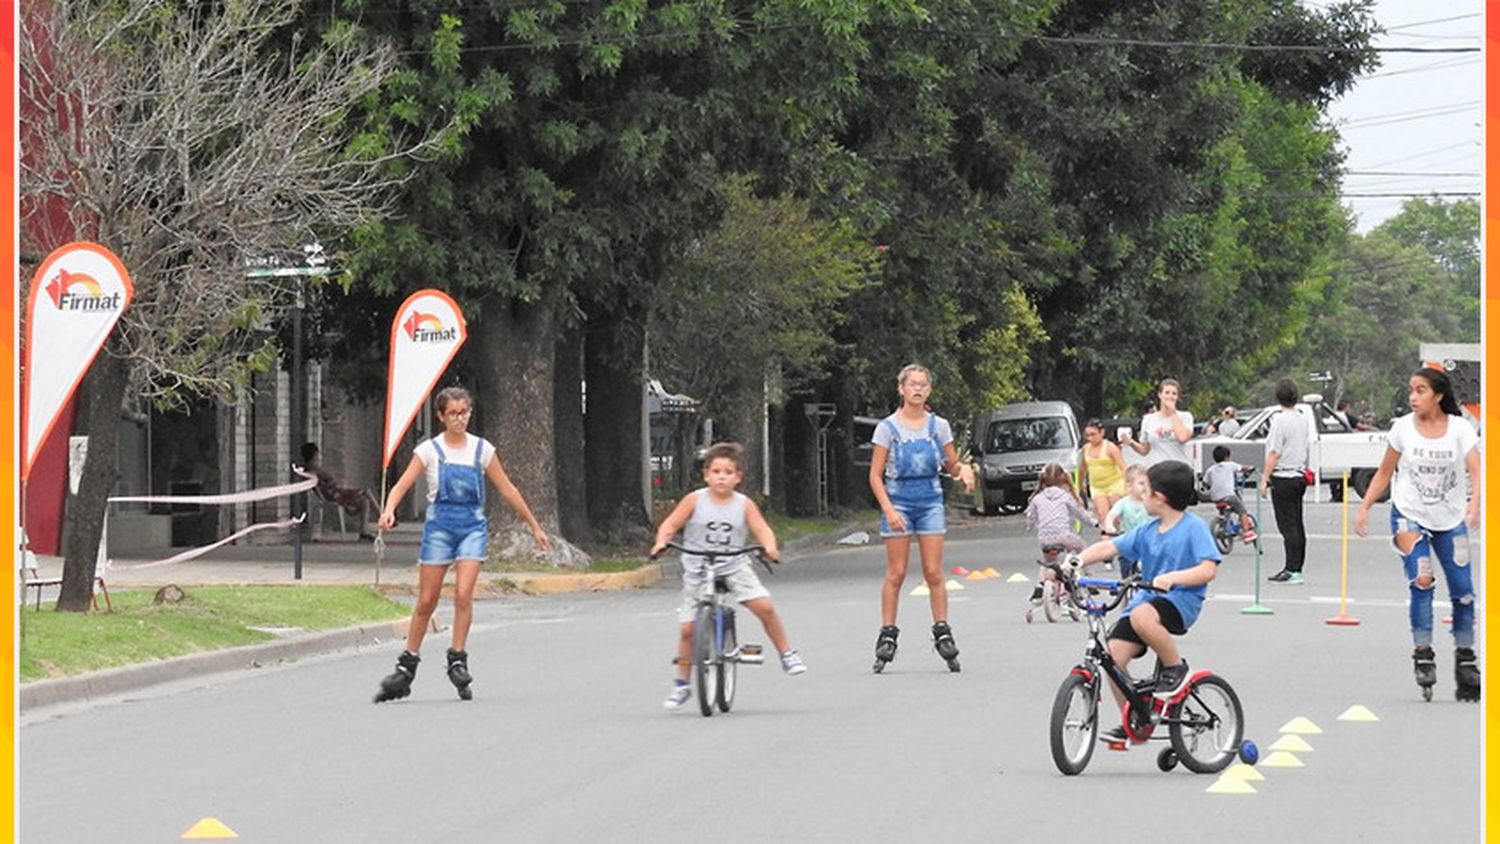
x,y
425,336
77,296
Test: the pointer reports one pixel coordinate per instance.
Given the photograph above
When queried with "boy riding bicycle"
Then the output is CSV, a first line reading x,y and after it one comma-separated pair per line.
x,y
1222,480
713,518
1176,552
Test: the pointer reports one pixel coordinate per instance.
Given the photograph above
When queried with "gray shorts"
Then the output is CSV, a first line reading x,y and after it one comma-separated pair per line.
x,y
744,585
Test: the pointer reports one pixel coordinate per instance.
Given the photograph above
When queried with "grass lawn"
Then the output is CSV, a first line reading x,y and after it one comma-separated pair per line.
x,y
60,644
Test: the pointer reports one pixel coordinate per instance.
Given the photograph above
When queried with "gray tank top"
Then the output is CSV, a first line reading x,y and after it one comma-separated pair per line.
x,y
715,526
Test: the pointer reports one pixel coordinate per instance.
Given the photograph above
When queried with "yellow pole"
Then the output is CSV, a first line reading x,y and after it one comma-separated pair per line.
x,y
1343,619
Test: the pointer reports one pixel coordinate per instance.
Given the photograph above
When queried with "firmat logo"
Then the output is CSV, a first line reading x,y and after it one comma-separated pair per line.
x,y
79,292
427,328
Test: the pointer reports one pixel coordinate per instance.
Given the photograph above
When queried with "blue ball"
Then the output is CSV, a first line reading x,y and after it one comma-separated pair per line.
x,y
1249,753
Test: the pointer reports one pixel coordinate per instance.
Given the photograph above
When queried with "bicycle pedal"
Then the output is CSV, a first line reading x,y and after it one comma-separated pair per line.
x,y
1117,745
748,654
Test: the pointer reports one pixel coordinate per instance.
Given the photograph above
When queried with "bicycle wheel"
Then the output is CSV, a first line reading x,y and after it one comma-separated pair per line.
x,y
1208,726
703,658
727,668
1222,539
1075,724
1050,599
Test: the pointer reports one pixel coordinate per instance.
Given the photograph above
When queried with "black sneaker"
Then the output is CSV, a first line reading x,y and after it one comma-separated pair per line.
x,y
1171,679
1280,577
1115,735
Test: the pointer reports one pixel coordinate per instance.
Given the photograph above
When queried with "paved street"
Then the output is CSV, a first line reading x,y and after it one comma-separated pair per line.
x,y
566,739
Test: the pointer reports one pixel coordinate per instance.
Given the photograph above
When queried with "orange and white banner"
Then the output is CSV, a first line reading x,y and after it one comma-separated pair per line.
x,y
425,335
77,296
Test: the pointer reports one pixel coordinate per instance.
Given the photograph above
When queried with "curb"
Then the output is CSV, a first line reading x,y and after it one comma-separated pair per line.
x,y
551,584
111,682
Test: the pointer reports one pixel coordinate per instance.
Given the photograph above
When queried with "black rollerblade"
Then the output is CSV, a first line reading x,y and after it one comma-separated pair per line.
x,y
885,647
458,672
942,639
398,684
1466,672
1425,664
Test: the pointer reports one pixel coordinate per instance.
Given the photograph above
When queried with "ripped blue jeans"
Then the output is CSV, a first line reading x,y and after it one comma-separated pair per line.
x,y
1451,547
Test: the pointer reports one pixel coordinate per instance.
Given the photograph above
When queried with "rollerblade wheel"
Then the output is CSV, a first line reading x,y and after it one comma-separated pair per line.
x,y
1427,693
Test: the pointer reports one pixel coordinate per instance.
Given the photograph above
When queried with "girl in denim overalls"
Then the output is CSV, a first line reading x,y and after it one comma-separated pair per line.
x,y
455,464
910,447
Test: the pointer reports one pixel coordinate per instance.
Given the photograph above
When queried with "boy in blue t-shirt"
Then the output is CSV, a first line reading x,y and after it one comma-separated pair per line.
x,y
1176,552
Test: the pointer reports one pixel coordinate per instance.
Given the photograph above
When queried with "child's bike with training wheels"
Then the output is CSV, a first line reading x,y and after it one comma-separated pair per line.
x,y
1055,599
1226,526
716,648
1204,720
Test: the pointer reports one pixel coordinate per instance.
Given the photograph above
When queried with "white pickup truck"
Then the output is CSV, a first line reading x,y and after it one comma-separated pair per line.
x,y
1334,446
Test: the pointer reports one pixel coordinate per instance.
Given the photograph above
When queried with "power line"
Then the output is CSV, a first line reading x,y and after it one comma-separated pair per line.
x,y
1433,21
1437,65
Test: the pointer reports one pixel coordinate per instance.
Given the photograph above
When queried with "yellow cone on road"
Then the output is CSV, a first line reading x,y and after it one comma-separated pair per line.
x,y
1017,578
1358,713
953,585
1301,726
977,575
1292,742
1281,759
991,573
1244,772
921,590
209,828
1230,785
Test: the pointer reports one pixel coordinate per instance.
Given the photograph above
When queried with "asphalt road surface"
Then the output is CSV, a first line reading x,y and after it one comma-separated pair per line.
x,y
566,739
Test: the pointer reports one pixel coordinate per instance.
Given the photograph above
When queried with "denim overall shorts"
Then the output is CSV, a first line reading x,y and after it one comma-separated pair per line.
x,y
456,526
912,484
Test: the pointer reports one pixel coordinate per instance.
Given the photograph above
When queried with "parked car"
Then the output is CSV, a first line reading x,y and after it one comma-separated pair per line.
x,y
1334,446
1012,445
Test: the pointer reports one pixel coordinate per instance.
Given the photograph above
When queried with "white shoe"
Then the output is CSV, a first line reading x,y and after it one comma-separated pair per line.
x,y
791,663
678,697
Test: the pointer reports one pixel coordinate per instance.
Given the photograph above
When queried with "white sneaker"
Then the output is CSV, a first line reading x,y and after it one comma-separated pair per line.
x,y
678,697
791,663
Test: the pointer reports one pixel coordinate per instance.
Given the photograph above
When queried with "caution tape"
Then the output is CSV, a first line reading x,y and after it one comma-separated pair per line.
x,y
284,524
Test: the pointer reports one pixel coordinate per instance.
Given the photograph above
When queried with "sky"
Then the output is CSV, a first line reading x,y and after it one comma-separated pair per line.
x,y
1418,115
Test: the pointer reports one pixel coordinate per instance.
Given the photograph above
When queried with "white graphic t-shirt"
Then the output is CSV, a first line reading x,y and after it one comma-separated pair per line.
x,y
1429,486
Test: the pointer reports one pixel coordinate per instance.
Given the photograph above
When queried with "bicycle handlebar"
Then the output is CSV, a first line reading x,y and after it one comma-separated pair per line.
x,y
1121,587
756,552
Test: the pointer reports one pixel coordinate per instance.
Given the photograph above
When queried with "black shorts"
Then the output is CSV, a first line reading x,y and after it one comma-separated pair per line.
x,y
1170,619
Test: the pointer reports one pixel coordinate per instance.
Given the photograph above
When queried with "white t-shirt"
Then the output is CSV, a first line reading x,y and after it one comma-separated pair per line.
x,y
1156,431
465,456
1429,486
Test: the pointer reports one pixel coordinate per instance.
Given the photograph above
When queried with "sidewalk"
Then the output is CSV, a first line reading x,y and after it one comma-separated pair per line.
x,y
325,562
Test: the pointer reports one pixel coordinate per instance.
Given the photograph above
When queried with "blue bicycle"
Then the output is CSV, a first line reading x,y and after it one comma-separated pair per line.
x,y
716,649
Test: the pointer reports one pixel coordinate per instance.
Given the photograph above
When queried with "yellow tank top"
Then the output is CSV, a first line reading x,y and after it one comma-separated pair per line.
x,y
1105,478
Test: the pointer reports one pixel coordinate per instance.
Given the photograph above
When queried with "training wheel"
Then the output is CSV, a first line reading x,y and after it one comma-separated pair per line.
x,y
1249,753
1166,759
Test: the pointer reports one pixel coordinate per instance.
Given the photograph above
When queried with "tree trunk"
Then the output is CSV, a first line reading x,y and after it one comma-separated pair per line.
x,y
613,354
515,365
568,434
742,423
799,464
103,399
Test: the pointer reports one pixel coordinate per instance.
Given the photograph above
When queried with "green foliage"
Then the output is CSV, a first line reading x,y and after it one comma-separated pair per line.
x,y
1414,279
756,298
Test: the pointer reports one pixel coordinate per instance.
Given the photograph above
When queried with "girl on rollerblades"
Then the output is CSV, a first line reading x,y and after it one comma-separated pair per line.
x,y
1426,456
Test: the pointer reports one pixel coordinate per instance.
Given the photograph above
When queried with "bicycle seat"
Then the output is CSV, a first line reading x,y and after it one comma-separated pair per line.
x,y
1221,506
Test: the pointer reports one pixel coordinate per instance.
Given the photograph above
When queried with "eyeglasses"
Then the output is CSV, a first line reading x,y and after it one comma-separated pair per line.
x,y
459,414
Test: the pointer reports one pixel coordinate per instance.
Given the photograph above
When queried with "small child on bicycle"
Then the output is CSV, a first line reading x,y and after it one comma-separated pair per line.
x,y
1050,512
1129,512
1222,479
717,517
1177,554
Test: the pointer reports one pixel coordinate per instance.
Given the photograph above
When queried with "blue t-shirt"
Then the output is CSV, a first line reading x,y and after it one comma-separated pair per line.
x,y
1187,544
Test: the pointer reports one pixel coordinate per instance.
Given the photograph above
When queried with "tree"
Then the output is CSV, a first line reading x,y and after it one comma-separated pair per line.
x,y
189,140
751,305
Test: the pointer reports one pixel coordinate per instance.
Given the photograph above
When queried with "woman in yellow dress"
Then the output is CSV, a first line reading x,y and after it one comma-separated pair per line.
x,y
1104,469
